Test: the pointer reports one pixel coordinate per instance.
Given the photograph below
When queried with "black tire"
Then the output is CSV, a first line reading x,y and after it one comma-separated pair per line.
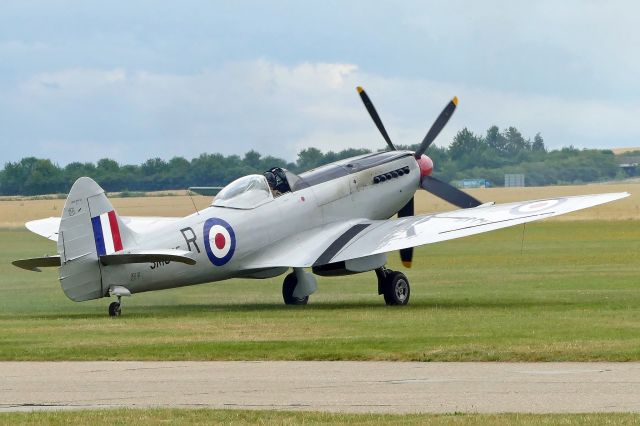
x,y
396,289
114,309
288,286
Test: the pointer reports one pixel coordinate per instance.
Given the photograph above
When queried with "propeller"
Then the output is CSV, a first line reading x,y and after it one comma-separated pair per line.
x,y
406,254
437,126
444,190
429,183
374,115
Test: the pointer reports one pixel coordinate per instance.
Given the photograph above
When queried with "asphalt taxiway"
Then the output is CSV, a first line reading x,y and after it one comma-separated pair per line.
x,y
384,387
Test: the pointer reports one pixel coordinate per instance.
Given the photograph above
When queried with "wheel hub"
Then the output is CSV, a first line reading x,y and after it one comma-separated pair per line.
x,y
401,290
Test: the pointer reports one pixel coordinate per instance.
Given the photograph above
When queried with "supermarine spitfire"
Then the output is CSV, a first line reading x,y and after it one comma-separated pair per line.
x,y
334,219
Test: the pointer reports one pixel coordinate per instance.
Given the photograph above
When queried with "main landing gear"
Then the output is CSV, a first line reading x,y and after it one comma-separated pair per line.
x,y
298,286
394,286
288,287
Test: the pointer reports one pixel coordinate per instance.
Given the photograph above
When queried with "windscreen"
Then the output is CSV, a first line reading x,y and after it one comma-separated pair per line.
x,y
244,193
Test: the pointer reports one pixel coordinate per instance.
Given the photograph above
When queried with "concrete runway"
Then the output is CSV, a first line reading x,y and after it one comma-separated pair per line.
x,y
384,387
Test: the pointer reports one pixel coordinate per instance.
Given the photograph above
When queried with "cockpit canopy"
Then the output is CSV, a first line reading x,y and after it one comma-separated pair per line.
x,y
251,191
246,192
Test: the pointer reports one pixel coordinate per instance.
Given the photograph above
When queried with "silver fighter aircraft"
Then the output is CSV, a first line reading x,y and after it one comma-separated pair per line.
x,y
333,220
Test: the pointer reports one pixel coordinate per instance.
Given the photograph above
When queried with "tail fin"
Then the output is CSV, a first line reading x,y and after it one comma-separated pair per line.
x,y
89,228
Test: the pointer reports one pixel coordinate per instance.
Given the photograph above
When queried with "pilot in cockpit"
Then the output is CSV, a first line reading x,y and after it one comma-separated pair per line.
x,y
271,180
277,180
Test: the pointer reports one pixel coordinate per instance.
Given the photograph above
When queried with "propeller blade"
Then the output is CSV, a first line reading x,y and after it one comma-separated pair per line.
x,y
437,126
407,210
374,115
406,254
448,193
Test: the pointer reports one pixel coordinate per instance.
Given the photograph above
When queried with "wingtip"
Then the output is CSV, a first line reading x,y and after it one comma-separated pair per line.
x,y
455,100
359,89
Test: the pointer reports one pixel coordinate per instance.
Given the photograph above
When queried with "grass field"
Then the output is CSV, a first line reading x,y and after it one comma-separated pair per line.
x,y
572,293
235,417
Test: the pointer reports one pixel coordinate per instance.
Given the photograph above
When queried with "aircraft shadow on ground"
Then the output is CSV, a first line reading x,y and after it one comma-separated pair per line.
x,y
178,310
366,305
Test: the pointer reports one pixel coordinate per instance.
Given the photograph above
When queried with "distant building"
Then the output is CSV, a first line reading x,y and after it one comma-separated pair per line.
x,y
631,169
513,180
630,164
473,183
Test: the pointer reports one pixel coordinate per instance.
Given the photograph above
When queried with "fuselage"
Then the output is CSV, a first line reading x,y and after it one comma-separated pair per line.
x,y
373,186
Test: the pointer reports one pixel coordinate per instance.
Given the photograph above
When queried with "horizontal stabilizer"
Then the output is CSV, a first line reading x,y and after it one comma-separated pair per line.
x,y
48,227
37,262
146,256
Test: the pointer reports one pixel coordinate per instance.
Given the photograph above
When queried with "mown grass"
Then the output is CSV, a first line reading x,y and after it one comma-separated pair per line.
x,y
573,293
143,417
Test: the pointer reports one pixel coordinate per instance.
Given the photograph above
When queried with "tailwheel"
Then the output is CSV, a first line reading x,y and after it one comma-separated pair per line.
x,y
288,287
115,309
394,286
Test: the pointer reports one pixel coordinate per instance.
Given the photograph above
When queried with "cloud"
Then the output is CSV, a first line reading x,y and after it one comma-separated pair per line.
x,y
85,114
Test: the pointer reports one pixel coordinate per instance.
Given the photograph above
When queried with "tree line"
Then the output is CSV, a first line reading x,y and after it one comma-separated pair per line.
x,y
469,156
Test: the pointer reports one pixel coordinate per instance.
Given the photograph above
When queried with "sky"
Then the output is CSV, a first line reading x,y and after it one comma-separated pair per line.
x,y
132,80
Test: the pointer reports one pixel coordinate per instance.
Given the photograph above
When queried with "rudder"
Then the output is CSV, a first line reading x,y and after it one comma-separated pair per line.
x,y
89,228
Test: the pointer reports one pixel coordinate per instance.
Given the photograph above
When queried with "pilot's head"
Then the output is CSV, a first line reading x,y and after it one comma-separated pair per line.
x,y
271,179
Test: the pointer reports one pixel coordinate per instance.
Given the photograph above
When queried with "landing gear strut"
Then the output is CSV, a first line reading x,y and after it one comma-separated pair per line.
x,y
394,286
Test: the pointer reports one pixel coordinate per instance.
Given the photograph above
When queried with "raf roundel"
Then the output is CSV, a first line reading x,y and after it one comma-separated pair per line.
x,y
219,241
537,206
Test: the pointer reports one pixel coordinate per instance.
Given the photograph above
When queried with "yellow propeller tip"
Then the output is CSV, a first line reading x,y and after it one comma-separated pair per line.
x,y
455,100
359,89
406,263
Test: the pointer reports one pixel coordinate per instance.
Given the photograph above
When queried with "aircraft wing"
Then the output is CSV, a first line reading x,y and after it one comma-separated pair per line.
x,y
48,227
359,238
